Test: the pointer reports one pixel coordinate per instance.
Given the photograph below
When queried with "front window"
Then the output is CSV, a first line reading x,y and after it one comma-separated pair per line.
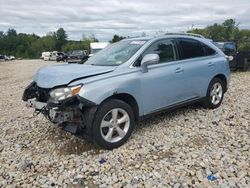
x,y
94,51
116,54
164,48
77,53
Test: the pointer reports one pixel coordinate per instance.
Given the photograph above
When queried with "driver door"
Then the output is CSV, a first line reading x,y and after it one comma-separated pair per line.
x,y
162,85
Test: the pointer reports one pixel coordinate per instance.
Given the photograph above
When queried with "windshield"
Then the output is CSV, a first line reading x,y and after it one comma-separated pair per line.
x,y
116,54
219,45
93,51
75,53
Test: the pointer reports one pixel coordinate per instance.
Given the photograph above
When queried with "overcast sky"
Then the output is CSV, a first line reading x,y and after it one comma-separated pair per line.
x,y
104,18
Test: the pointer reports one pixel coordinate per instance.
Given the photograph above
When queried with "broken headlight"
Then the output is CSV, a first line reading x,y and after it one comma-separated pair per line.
x,y
60,94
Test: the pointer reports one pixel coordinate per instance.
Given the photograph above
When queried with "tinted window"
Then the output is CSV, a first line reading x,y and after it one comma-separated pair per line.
x,y
164,48
208,50
190,48
230,46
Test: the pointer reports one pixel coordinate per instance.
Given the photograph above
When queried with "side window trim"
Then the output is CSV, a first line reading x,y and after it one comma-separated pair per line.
x,y
178,48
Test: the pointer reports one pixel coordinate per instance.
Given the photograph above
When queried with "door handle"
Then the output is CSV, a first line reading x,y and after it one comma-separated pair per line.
x,y
179,70
210,64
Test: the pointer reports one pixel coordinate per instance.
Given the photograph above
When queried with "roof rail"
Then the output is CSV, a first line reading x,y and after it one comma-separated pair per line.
x,y
187,34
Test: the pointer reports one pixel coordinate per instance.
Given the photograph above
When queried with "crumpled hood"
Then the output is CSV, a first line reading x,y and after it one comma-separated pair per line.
x,y
56,75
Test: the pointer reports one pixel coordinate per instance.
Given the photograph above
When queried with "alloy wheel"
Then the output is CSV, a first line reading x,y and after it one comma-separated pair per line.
x,y
216,93
115,125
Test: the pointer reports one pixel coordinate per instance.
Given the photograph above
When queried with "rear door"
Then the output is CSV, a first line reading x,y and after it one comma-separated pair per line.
x,y
199,64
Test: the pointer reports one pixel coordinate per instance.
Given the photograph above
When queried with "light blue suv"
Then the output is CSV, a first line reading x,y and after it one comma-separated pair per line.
x,y
127,81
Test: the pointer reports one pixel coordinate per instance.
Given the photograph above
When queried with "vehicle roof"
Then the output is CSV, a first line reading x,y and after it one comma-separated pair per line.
x,y
168,36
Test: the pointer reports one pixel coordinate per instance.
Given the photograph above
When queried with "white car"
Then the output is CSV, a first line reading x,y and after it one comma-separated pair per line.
x,y
12,57
46,56
53,56
7,58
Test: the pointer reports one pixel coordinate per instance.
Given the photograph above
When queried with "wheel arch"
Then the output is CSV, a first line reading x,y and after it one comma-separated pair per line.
x,y
223,78
127,98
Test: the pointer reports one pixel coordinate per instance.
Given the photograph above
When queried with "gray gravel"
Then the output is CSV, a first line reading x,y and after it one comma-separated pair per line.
x,y
178,149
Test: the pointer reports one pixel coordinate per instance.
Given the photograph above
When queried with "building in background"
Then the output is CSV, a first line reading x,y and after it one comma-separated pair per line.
x,y
97,46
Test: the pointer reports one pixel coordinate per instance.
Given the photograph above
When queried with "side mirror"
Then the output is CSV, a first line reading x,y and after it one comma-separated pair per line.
x,y
149,59
230,58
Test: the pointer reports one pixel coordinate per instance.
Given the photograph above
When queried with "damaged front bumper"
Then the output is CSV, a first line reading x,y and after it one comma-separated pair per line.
x,y
68,114
54,114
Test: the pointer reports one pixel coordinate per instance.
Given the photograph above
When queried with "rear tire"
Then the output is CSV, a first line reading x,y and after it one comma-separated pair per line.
x,y
113,124
215,94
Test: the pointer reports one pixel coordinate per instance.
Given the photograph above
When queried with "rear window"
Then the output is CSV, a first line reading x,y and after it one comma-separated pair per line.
x,y
190,48
230,46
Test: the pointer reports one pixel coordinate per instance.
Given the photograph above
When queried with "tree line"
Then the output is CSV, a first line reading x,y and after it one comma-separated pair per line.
x,y
31,45
24,45
227,31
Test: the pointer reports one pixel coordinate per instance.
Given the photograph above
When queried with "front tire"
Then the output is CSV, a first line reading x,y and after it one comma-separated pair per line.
x,y
113,124
215,94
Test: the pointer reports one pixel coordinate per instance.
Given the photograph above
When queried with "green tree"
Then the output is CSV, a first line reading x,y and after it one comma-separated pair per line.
x,y
11,32
227,31
117,38
73,45
61,38
86,40
10,42
48,42
1,34
229,28
216,32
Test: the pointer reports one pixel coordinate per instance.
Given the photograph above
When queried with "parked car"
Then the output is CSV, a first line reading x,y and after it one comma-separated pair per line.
x,y
7,58
130,80
77,56
2,58
61,57
241,60
46,56
229,48
53,56
12,57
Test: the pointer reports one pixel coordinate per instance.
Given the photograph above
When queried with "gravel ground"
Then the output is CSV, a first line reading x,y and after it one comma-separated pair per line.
x,y
187,147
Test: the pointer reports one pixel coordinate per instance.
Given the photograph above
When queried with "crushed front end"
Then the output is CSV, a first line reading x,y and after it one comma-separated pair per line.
x,y
61,105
